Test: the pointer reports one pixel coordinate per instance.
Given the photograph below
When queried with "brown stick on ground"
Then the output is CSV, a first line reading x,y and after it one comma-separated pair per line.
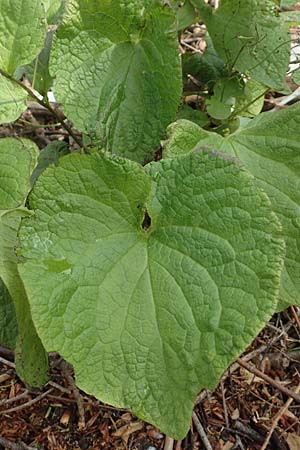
x,y
269,380
27,404
77,395
14,445
277,417
169,443
201,432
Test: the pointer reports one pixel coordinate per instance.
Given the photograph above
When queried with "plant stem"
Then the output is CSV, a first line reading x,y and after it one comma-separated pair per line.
x,y
46,105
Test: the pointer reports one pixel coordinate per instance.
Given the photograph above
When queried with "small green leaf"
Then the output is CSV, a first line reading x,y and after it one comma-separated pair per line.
x,y
207,68
22,31
269,147
250,37
38,70
251,103
123,85
17,160
49,155
159,313
186,14
12,100
188,113
220,104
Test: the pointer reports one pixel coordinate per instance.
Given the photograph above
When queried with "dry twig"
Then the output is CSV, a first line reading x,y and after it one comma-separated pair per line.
x,y
14,445
7,363
27,404
201,432
77,396
297,320
277,417
269,380
15,399
169,442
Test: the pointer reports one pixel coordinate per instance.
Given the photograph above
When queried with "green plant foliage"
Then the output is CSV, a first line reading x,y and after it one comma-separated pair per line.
x,y
220,104
188,113
269,147
54,11
37,71
49,155
186,13
252,101
207,68
22,39
155,314
296,76
292,17
12,100
17,160
8,320
154,278
250,37
124,83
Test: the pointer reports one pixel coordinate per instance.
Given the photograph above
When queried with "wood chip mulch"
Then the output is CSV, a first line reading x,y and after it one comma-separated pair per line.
x,y
237,415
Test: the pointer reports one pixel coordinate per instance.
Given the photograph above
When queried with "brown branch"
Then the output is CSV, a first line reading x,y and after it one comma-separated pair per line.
x,y
7,363
45,104
14,445
77,395
27,404
14,399
201,432
269,380
277,417
296,317
169,443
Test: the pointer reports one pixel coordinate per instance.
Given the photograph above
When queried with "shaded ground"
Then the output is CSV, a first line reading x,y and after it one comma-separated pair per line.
x,y
237,415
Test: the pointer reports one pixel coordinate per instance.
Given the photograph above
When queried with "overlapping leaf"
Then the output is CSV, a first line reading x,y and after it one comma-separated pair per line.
x,y
17,160
8,320
118,73
270,149
22,31
155,313
250,37
12,100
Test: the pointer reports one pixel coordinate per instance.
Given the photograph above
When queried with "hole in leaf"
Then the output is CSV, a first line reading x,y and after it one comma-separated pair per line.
x,y
146,222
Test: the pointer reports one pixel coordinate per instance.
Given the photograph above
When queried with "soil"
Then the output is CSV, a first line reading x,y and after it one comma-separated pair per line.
x,y
237,415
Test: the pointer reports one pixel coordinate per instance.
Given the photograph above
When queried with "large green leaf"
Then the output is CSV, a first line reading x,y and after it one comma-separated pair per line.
x,y
118,73
251,38
17,160
270,149
155,313
12,100
22,30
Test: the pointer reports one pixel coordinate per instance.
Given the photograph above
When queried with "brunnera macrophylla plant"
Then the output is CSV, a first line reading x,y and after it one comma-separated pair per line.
x,y
149,277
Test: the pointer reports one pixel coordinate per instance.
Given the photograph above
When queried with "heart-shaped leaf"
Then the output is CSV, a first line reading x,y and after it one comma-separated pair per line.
x,y
118,73
250,37
150,308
